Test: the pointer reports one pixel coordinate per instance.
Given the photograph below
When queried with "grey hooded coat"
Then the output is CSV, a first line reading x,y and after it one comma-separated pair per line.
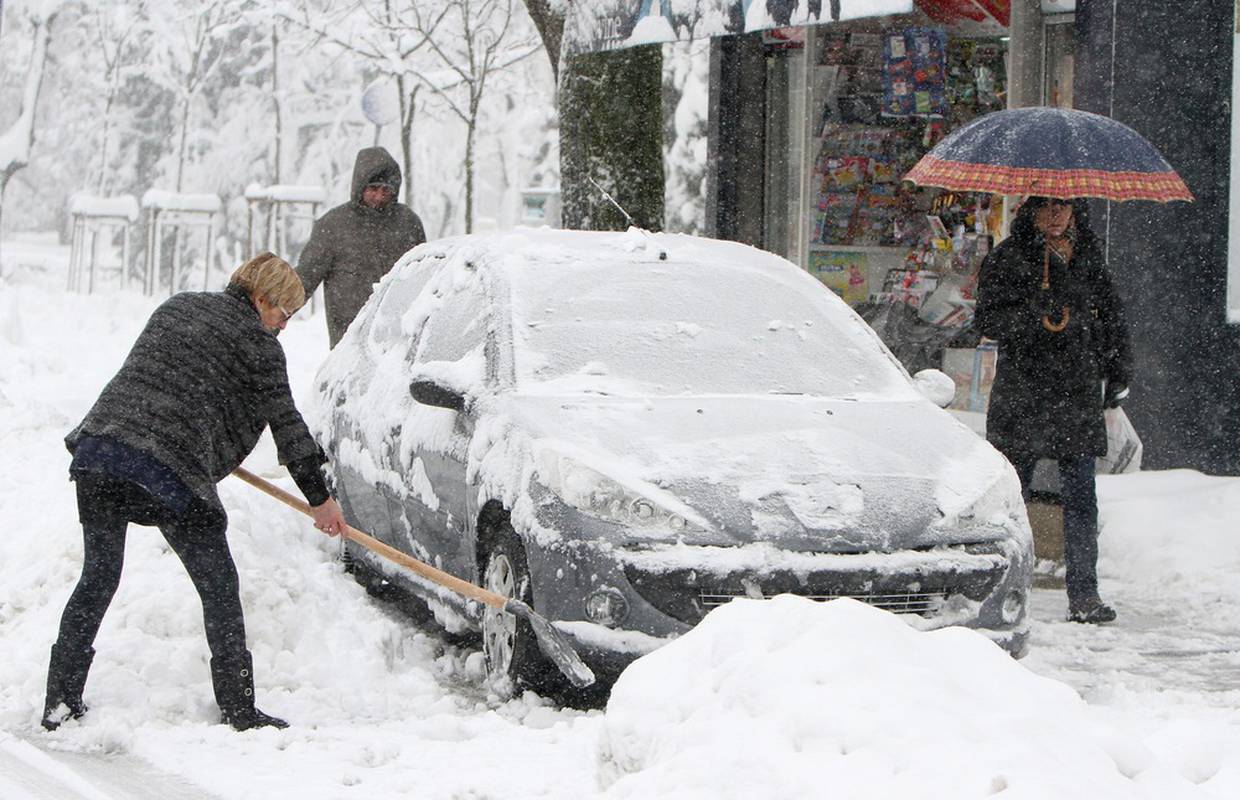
x,y
353,246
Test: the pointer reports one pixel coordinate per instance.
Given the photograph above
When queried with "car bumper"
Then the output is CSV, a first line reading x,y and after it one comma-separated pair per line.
x,y
669,588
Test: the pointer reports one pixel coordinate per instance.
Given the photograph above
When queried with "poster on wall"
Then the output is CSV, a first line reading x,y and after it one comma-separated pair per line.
x,y
915,73
845,272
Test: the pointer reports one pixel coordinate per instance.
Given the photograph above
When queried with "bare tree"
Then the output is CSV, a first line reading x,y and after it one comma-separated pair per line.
x,y
471,59
451,48
277,103
382,43
17,141
194,47
115,30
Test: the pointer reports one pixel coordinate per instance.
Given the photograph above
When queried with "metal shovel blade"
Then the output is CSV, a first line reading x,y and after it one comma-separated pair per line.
x,y
553,645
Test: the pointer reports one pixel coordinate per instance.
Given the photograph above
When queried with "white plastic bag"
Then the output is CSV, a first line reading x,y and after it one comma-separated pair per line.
x,y
1123,445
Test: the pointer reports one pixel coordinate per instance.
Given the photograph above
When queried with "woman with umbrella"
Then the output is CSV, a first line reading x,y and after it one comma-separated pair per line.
x,y
1046,296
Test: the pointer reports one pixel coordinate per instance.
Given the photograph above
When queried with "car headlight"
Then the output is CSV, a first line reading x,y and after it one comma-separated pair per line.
x,y
593,493
1000,501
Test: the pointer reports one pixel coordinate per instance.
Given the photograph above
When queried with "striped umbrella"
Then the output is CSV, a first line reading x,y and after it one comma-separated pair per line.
x,y
1051,152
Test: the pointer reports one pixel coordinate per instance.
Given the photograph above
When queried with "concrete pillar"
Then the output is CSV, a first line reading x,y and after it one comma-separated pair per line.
x,y
1025,54
736,151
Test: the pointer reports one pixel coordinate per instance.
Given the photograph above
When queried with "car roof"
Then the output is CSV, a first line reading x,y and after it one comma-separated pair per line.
x,y
634,245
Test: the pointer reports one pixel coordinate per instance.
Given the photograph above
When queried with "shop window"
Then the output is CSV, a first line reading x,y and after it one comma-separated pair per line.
x,y
878,97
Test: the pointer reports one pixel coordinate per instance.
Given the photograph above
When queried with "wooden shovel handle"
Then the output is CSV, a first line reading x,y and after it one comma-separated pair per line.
x,y
461,587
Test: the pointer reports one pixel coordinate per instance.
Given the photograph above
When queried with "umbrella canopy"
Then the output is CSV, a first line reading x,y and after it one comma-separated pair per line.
x,y
1051,152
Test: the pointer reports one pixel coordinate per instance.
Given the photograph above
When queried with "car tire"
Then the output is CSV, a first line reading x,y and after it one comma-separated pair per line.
x,y
508,642
366,576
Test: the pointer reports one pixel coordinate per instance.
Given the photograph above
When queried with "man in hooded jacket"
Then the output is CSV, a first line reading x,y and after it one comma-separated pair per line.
x,y
356,243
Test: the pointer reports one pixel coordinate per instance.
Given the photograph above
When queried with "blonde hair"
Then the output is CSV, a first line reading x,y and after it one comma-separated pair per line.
x,y
267,275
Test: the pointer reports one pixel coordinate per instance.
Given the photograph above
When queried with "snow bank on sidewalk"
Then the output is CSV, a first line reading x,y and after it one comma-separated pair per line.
x,y
1175,529
787,697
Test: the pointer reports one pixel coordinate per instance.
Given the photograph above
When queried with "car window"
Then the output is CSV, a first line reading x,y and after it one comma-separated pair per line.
x,y
391,322
690,328
457,327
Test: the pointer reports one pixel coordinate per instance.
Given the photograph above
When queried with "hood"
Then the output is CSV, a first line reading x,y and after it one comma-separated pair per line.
x,y
374,165
804,473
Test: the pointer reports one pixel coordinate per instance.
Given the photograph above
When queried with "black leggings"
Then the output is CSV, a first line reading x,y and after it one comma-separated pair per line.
x,y
106,506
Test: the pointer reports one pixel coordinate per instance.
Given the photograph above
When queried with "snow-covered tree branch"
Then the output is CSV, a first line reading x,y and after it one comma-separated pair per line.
x,y
17,141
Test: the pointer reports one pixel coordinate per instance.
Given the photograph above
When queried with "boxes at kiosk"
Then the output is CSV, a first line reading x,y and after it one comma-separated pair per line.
x,y
973,370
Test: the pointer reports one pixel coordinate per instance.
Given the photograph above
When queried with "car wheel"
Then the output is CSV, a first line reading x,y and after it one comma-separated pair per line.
x,y
366,576
508,643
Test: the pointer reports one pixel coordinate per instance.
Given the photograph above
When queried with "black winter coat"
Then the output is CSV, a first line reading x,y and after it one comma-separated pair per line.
x,y
1046,401
199,386
353,246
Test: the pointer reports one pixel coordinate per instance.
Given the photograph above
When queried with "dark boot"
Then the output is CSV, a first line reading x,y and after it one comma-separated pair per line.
x,y
1091,611
66,678
233,680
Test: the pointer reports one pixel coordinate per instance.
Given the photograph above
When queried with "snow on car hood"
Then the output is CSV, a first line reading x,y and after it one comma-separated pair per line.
x,y
807,473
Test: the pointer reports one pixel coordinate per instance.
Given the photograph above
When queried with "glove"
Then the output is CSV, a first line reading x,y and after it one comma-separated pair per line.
x,y
1115,395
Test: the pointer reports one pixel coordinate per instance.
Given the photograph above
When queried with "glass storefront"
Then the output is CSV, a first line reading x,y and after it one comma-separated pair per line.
x,y
850,109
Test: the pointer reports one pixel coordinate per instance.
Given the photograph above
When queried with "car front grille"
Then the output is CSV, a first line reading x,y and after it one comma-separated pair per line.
x,y
925,602
907,582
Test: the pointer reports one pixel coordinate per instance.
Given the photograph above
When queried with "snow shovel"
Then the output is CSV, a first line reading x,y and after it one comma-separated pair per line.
x,y
552,643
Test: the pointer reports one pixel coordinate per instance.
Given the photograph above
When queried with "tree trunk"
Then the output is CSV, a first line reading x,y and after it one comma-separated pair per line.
x,y
275,102
550,29
470,131
181,148
100,185
4,182
408,109
611,131
22,130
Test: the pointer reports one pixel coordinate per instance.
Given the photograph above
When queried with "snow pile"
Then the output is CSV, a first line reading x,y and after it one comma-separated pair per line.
x,y
1174,529
784,697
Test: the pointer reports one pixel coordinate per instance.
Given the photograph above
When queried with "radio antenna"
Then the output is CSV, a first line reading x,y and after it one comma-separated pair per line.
x,y
612,200
629,219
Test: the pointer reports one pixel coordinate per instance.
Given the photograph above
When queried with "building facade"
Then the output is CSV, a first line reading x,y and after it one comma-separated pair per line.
x,y
1163,68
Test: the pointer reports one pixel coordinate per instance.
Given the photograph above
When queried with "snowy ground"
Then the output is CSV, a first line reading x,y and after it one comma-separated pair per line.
x,y
383,708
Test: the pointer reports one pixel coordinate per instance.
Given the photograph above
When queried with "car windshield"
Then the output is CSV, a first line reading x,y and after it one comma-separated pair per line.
x,y
670,328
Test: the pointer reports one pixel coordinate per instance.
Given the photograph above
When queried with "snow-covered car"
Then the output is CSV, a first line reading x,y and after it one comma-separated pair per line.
x,y
627,430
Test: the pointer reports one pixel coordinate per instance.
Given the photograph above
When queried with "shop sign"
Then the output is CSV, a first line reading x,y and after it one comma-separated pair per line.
x,y
596,25
997,12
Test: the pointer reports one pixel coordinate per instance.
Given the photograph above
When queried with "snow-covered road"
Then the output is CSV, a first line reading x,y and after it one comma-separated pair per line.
x,y
383,708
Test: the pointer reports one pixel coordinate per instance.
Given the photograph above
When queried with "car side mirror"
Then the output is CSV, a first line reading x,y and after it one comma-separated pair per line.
x,y
936,386
429,393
